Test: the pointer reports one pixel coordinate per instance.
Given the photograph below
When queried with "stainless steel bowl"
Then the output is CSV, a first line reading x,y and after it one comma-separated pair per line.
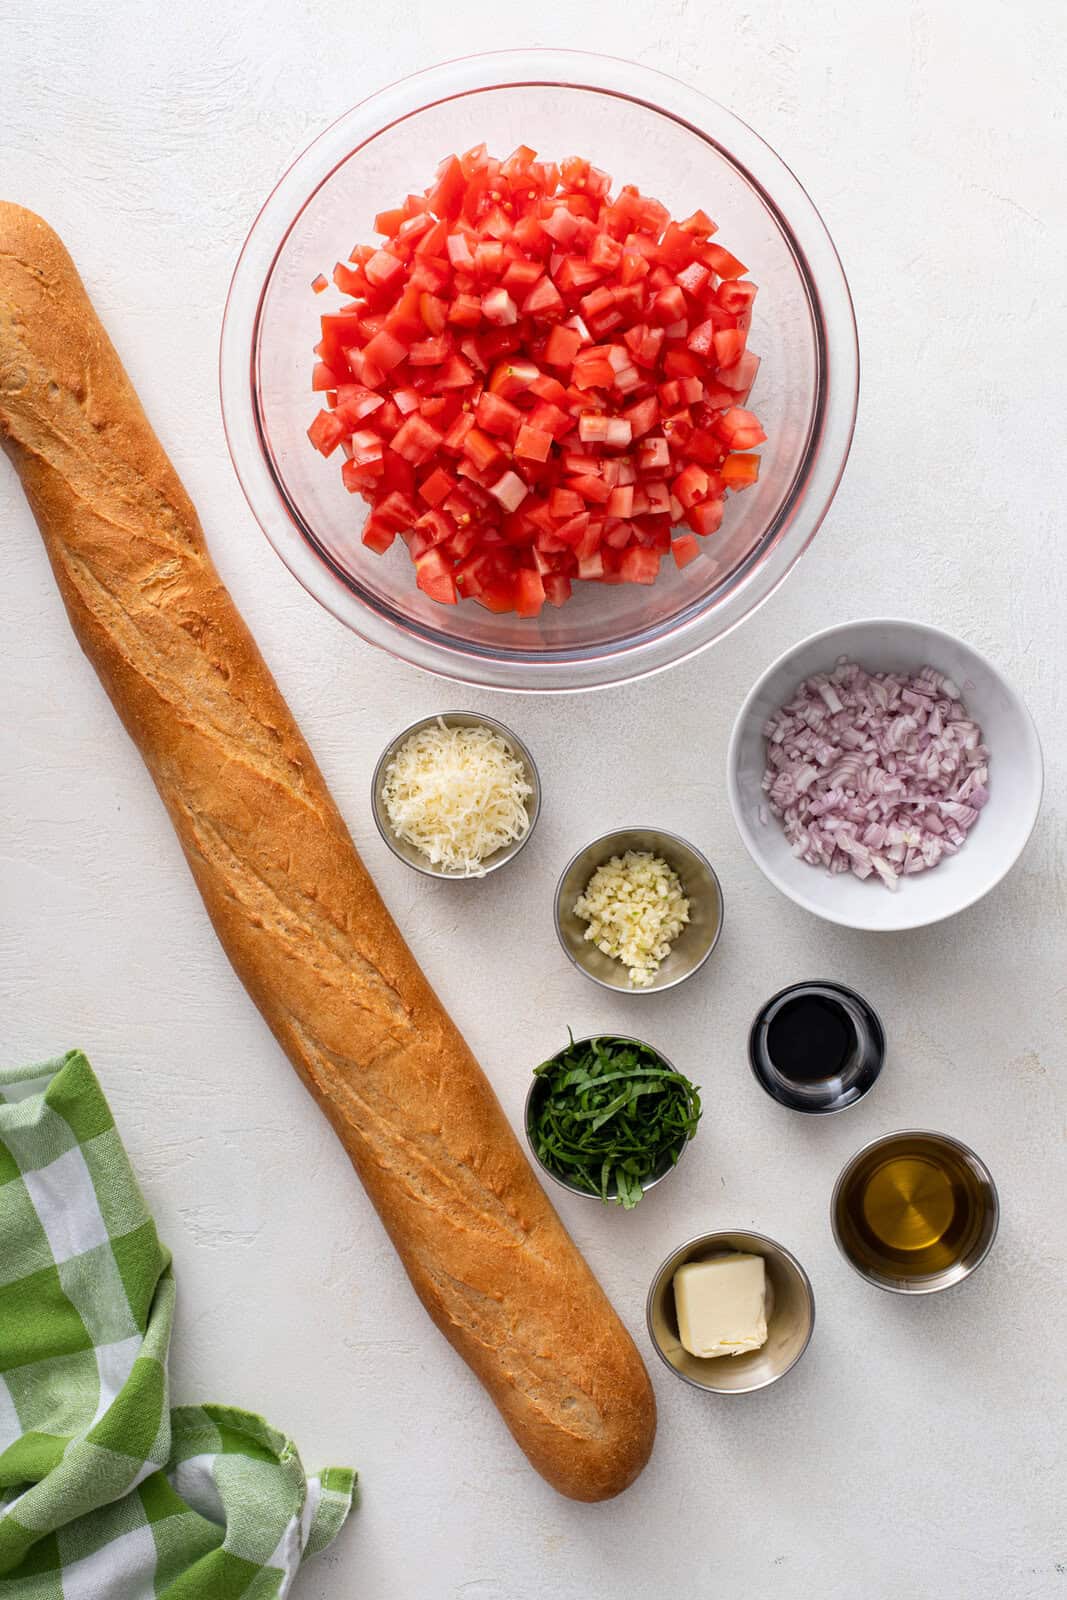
x,y
975,1242
790,1317
538,1089
699,883
407,852
846,1087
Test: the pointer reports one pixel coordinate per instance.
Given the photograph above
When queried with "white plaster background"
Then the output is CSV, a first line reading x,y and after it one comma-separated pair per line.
x,y
913,1452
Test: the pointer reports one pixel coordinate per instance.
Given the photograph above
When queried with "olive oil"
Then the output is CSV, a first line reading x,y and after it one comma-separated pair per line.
x,y
913,1206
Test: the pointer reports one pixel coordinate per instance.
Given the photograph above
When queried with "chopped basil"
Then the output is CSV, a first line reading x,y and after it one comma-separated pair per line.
x,y
612,1115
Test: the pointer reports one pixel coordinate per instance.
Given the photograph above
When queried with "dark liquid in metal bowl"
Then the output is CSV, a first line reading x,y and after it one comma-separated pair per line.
x,y
811,1037
816,1046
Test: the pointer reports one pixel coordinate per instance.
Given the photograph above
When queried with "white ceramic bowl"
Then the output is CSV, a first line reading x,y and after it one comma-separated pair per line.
x,y
993,845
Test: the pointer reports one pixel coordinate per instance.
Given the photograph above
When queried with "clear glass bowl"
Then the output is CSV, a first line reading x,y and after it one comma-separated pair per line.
x,y
643,128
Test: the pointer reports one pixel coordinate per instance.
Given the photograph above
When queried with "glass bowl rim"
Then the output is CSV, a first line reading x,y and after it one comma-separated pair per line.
x,y
804,505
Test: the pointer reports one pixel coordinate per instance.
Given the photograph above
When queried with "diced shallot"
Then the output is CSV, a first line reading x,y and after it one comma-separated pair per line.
x,y
875,773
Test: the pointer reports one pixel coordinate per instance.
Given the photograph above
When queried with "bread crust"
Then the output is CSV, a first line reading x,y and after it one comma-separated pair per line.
x,y
293,906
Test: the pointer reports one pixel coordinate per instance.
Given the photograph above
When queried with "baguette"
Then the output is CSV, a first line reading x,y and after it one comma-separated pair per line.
x,y
290,900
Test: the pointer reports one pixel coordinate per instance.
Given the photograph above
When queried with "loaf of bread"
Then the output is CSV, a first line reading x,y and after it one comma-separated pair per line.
x,y
291,902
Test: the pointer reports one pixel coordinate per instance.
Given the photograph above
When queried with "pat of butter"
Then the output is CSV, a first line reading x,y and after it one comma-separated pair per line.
x,y
722,1305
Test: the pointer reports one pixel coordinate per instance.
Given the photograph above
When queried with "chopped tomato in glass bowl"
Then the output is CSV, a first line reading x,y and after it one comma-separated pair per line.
x,y
546,396
534,377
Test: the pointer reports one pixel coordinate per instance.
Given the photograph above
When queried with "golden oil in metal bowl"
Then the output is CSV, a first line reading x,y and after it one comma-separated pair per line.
x,y
915,1212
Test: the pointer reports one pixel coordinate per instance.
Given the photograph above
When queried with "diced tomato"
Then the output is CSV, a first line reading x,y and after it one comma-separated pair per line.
x,y
684,549
511,377
366,446
642,416
324,377
529,592
384,268
735,296
435,527
691,485
596,428
559,223
702,339
593,371
481,450
498,595
521,274
549,389
457,433
740,429
654,454
498,307
489,258
544,299
433,574
621,501
465,311
669,306
532,381
326,432
509,490
562,347
704,446
639,565
557,587
594,489
534,444
376,536
396,511
358,476
429,352
705,518
446,196
740,378
454,374
350,280
498,416
738,471
565,503
722,262
389,222
437,487
682,363
416,439
385,351
693,278
729,346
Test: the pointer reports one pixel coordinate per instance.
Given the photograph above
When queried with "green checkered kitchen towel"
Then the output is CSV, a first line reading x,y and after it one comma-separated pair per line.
x,y
106,1493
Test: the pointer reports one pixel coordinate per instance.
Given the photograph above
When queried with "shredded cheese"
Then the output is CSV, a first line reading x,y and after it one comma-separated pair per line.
x,y
458,795
635,909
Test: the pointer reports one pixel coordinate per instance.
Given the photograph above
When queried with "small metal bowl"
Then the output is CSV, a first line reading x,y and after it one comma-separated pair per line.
x,y
699,884
407,852
790,1317
974,1245
820,1096
538,1089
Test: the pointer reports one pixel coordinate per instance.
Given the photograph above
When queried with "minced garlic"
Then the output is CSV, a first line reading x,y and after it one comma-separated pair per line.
x,y
635,909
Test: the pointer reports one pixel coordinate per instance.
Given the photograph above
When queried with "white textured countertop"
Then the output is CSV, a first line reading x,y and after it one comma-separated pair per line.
x,y
914,1450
